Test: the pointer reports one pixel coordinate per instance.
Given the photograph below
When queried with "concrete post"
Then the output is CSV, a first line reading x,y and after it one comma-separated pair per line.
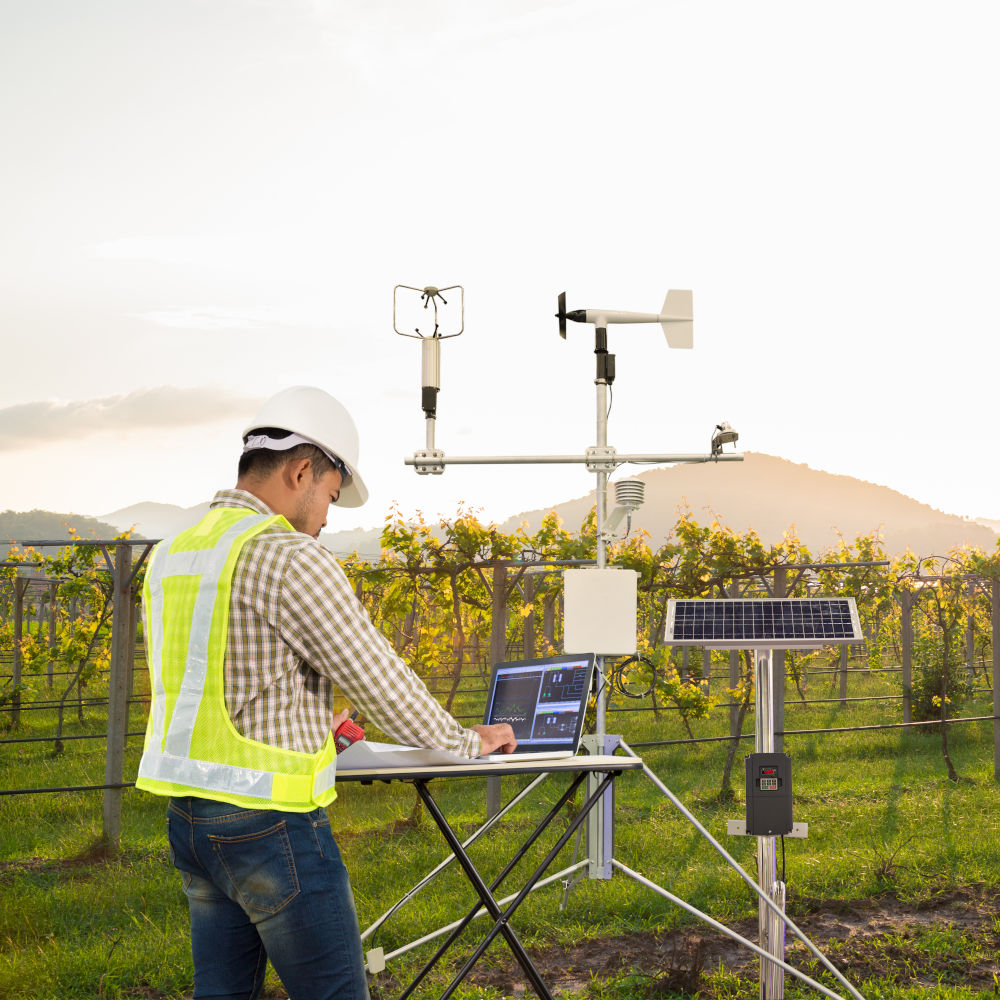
x,y
121,639
970,633
906,626
996,678
20,589
549,619
53,612
498,650
529,621
843,676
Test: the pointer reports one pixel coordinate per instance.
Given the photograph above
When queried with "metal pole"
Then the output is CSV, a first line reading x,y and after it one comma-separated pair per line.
x,y
771,930
778,666
418,460
602,552
121,619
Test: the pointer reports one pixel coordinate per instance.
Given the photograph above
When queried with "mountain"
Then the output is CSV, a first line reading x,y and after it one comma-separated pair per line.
x,y
45,526
156,520
159,520
767,493
771,495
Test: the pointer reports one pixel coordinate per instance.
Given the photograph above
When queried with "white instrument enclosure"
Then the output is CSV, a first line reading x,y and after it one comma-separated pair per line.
x,y
600,608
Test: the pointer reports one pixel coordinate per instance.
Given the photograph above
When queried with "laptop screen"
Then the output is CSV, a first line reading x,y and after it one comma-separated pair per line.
x,y
543,700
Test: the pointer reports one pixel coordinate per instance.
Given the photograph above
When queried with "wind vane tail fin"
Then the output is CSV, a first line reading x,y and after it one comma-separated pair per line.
x,y
677,318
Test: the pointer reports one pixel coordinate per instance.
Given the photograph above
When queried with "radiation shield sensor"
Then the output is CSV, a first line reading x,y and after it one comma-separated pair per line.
x,y
407,316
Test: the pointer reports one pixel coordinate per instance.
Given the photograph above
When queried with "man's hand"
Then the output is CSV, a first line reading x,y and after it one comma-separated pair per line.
x,y
498,738
339,719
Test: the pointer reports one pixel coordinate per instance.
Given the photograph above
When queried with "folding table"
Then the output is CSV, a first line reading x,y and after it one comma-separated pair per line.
x,y
579,767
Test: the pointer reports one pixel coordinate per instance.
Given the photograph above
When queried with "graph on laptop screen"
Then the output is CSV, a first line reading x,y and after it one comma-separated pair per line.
x,y
543,700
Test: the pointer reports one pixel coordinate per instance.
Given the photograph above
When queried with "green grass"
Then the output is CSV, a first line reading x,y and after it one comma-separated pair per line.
x,y
883,818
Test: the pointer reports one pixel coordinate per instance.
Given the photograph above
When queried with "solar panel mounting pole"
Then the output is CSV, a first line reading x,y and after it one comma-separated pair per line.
x,y
748,623
771,929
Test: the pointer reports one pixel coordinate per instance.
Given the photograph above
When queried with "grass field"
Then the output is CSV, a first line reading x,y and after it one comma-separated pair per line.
x,y
885,824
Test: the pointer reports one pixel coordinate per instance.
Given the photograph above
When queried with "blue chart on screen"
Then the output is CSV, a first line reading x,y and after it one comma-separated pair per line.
x,y
762,622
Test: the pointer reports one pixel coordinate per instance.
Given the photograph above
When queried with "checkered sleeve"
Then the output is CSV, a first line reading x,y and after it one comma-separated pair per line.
x,y
322,620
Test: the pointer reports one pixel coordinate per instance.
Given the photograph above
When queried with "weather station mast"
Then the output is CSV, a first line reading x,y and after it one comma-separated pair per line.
x,y
602,610
600,618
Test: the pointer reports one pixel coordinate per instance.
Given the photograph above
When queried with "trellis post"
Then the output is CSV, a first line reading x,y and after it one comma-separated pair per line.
x,y
906,625
20,589
121,639
53,607
529,620
996,678
498,649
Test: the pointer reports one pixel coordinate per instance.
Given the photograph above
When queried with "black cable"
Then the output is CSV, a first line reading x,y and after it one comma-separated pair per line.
x,y
611,400
782,857
813,732
67,788
57,739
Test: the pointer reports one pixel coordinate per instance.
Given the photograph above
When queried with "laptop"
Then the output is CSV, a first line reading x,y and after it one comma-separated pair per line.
x,y
544,701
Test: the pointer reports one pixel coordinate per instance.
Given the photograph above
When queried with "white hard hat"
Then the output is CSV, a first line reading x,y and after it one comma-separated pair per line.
x,y
317,417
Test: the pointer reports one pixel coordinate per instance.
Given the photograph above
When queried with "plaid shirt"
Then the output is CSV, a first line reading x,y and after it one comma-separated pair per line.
x,y
296,630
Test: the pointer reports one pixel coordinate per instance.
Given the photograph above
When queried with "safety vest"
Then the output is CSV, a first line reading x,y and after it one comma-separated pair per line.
x,y
192,746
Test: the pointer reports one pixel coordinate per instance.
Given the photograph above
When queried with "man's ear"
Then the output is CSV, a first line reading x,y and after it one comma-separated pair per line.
x,y
297,474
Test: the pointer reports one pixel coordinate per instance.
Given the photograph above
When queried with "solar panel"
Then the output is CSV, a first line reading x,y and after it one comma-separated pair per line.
x,y
763,623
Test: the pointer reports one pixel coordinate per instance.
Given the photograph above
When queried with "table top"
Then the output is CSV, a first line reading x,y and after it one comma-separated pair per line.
x,y
477,769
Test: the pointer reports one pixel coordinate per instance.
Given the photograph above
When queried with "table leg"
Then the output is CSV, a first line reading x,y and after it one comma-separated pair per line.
x,y
496,883
501,925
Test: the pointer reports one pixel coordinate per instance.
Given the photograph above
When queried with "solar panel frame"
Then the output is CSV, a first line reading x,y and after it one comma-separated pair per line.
x,y
762,622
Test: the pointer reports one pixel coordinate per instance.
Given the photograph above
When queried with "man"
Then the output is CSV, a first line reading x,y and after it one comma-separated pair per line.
x,y
250,625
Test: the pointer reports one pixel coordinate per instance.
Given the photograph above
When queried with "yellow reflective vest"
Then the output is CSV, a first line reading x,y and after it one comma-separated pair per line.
x,y
192,746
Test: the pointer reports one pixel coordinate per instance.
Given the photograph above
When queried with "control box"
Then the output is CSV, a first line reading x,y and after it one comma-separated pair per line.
x,y
769,794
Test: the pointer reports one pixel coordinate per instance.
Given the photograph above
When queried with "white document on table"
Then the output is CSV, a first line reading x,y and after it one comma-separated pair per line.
x,y
368,755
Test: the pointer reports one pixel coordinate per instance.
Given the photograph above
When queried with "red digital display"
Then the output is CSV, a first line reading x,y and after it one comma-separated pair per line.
x,y
768,770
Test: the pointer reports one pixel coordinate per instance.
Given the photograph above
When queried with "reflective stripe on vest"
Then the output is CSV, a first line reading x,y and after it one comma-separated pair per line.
x,y
192,746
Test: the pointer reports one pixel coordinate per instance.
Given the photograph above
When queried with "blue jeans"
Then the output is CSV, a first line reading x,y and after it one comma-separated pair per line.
x,y
266,885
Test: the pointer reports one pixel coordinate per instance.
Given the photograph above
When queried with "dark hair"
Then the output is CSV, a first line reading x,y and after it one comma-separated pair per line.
x,y
263,462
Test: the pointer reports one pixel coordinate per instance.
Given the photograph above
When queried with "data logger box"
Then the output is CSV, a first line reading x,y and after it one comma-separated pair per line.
x,y
600,611
769,794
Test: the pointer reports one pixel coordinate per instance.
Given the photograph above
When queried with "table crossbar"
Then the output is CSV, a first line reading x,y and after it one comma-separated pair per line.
x,y
496,883
502,917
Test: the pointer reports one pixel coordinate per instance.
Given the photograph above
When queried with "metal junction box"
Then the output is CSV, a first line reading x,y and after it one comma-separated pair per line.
x,y
769,794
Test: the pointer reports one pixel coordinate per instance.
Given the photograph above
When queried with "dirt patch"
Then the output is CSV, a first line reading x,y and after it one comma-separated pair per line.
x,y
871,938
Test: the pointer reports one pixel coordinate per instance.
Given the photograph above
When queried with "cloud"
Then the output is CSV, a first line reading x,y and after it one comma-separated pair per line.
x,y
27,425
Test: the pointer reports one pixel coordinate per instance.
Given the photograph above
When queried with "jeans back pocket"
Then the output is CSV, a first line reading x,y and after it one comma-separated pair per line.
x,y
261,867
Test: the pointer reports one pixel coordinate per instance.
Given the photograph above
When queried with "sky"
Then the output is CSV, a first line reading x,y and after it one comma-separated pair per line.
x,y
206,201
